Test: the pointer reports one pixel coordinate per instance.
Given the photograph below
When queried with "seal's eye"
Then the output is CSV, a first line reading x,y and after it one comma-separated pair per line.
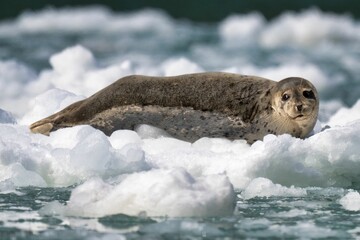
x,y
285,97
309,94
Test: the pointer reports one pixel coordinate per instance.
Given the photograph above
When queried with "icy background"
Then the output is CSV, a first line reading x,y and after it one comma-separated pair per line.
x,y
79,178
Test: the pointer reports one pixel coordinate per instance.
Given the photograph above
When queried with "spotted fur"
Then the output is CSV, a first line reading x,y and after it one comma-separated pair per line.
x,y
193,106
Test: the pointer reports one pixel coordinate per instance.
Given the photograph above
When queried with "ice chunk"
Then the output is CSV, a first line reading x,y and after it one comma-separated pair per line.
x,y
238,30
49,103
20,177
98,18
68,156
262,187
75,70
308,71
74,60
329,158
351,201
86,152
174,67
305,230
121,138
345,115
6,117
309,28
160,192
185,227
54,208
15,78
328,109
147,131
289,214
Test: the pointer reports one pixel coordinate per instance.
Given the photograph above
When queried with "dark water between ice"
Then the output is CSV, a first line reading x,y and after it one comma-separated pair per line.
x,y
316,216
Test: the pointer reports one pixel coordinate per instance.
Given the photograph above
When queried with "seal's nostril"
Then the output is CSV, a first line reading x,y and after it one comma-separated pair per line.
x,y
299,107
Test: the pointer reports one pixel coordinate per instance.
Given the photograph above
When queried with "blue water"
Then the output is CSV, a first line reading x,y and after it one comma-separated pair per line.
x,y
316,216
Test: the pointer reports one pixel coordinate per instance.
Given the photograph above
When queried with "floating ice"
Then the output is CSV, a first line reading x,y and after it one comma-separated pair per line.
x,y
31,221
291,213
345,115
351,201
147,131
69,156
238,30
19,176
308,71
48,103
305,29
75,69
6,117
328,158
160,192
305,230
122,138
309,28
13,77
74,60
316,161
262,187
71,20
150,42
328,108
187,227
14,81
147,163
180,66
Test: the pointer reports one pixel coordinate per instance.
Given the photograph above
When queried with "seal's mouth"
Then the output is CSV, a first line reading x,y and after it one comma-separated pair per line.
x,y
299,116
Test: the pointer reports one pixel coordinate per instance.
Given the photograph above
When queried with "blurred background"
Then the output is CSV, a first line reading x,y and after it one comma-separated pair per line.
x,y
199,10
82,46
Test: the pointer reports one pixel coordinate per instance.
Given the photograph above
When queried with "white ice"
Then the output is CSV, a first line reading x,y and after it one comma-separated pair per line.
x,y
141,171
170,172
68,20
263,187
351,201
158,192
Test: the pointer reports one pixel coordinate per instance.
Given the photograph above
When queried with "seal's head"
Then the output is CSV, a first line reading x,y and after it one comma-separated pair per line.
x,y
296,100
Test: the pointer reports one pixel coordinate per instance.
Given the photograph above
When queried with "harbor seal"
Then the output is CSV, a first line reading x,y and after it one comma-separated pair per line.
x,y
197,105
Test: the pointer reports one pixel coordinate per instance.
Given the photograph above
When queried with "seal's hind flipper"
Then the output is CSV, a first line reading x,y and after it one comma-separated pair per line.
x,y
42,128
62,119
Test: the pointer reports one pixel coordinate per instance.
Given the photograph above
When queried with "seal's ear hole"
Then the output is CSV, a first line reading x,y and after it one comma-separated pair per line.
x,y
285,97
309,94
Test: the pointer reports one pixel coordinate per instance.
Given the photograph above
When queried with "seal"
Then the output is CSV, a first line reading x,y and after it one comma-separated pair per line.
x,y
192,106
